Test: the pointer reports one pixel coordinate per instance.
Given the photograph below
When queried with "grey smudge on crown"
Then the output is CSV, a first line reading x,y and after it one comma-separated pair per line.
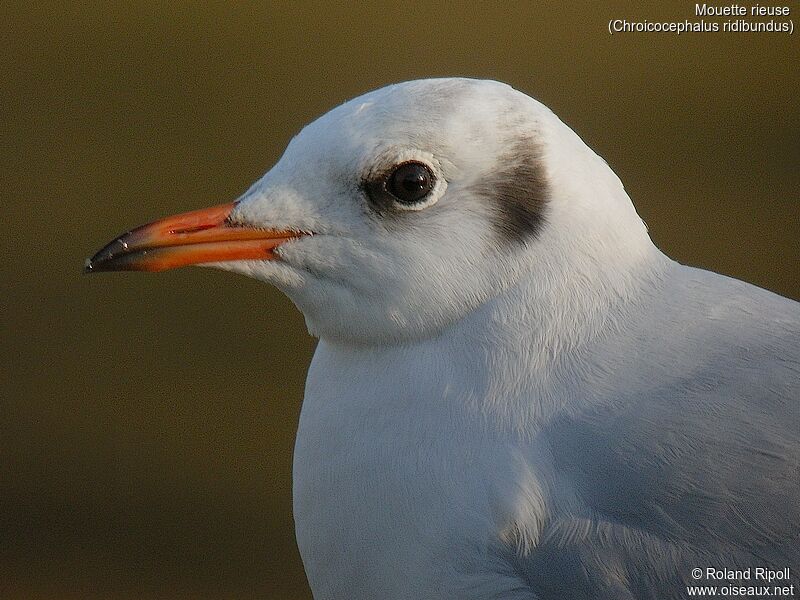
x,y
519,190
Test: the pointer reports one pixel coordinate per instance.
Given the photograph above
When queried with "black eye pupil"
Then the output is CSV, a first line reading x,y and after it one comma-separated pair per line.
x,y
410,182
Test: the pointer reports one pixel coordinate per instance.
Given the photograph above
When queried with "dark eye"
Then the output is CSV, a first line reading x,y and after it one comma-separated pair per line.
x,y
410,182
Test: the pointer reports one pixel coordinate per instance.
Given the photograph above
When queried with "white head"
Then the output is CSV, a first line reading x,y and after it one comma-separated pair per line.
x,y
426,199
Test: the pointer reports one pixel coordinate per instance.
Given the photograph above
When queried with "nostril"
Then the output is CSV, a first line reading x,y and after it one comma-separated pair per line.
x,y
195,229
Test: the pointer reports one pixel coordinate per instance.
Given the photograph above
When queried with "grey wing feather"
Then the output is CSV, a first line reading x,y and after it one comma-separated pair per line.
x,y
696,463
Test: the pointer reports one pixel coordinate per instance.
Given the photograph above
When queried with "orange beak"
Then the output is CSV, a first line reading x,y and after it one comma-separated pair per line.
x,y
200,236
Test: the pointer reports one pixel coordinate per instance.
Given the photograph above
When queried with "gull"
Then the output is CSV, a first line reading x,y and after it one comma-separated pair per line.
x,y
515,394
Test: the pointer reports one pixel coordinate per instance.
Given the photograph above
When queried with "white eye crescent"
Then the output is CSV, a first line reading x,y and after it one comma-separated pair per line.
x,y
409,182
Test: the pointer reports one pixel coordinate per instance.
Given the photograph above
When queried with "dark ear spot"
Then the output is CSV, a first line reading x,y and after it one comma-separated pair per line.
x,y
519,190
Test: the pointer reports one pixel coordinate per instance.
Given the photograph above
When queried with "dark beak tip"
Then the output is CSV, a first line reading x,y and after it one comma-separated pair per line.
x,y
103,259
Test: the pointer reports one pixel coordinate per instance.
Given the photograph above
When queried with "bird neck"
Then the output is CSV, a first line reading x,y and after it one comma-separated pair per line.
x,y
534,342
510,363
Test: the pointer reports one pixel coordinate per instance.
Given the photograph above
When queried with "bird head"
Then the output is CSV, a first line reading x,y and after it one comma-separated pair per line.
x,y
401,211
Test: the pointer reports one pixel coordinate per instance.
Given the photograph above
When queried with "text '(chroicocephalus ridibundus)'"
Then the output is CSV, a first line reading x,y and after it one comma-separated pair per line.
x,y
515,393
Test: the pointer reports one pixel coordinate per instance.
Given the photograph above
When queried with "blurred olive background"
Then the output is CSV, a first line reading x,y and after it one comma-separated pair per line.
x,y
147,422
